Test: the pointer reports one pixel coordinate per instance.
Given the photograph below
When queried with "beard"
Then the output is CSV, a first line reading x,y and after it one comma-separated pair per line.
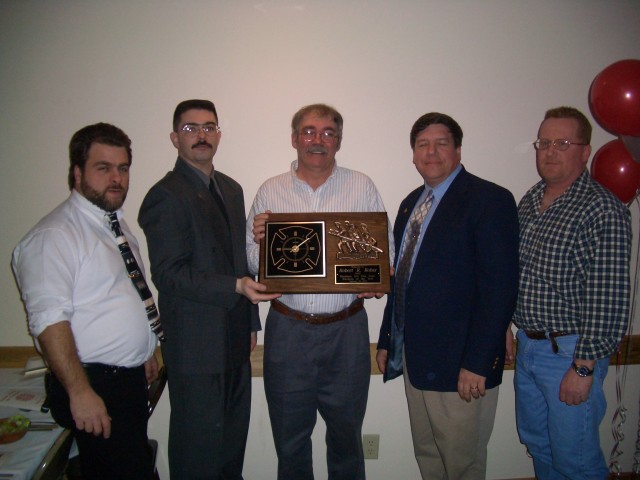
x,y
100,199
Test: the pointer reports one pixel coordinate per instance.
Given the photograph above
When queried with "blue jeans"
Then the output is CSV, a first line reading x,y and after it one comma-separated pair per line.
x,y
563,440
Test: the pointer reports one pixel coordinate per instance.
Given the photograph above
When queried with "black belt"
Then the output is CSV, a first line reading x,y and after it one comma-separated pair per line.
x,y
107,369
542,335
318,318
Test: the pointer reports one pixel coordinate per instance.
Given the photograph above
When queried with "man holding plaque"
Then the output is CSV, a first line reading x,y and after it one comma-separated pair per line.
x,y
316,345
193,219
454,292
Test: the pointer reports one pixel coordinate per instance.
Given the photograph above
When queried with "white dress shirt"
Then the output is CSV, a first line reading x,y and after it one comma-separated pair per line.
x,y
68,267
344,191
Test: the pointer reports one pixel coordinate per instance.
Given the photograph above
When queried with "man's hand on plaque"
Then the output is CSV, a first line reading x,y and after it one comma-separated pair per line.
x,y
376,294
254,291
371,295
258,225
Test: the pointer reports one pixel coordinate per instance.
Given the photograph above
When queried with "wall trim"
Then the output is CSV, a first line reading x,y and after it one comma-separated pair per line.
x,y
16,357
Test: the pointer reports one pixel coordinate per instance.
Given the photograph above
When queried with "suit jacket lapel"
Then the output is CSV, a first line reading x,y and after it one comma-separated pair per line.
x,y
209,207
235,210
446,210
403,217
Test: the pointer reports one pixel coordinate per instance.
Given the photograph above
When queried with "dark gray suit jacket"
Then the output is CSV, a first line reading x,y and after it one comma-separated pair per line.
x,y
195,261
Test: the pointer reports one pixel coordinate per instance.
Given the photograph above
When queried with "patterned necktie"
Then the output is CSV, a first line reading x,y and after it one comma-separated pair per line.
x,y
135,274
403,271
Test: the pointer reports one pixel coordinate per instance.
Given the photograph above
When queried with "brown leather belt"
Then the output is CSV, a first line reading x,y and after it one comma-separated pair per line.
x,y
318,318
542,335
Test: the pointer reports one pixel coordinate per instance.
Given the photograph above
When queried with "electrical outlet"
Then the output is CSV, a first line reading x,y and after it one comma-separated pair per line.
x,y
370,446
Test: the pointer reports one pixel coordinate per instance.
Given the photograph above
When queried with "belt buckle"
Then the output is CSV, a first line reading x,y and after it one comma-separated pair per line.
x,y
309,317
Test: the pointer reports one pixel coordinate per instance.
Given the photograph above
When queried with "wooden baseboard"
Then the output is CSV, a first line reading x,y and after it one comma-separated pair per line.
x,y
16,357
628,352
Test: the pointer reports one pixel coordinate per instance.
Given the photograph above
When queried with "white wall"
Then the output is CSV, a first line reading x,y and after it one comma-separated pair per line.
x,y
495,66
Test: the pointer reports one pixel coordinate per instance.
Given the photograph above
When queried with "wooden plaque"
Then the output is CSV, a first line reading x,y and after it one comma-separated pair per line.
x,y
328,252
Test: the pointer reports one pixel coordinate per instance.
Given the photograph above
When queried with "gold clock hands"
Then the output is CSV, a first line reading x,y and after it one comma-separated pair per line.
x,y
296,248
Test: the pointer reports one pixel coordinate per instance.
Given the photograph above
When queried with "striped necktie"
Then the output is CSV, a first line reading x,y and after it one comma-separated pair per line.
x,y
135,274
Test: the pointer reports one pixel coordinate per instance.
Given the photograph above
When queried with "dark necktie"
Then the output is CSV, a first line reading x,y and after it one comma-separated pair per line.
x,y
403,272
216,196
135,274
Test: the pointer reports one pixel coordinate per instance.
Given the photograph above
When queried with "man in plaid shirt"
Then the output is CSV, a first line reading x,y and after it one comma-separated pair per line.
x,y
573,302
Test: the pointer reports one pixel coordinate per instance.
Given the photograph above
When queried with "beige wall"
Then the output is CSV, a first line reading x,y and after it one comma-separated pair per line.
x,y
493,65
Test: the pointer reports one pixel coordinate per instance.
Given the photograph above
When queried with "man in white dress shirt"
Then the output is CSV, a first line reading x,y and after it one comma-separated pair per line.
x,y
320,364
86,316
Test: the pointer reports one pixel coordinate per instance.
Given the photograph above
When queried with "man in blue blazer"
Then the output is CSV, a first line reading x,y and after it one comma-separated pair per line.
x,y
445,322
194,221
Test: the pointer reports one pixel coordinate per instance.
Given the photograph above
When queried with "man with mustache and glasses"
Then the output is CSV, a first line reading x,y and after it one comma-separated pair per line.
x,y
194,223
310,368
85,314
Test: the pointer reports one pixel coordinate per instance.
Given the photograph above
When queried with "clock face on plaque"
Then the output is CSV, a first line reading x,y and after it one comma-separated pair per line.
x,y
295,249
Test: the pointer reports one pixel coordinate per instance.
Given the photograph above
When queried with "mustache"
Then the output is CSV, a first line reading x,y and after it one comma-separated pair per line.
x,y
317,149
201,143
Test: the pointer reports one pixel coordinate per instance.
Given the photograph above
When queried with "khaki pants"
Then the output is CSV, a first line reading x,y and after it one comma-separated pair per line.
x,y
450,436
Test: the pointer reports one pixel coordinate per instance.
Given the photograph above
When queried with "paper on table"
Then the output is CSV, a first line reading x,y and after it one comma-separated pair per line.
x,y
24,398
35,366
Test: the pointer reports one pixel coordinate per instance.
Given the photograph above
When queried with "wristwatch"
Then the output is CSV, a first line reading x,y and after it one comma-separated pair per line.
x,y
582,370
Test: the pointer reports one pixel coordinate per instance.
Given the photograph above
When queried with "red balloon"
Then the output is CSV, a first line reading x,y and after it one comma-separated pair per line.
x,y
614,98
613,167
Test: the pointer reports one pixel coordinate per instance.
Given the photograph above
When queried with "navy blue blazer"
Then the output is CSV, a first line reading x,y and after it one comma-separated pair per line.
x,y
463,287
195,260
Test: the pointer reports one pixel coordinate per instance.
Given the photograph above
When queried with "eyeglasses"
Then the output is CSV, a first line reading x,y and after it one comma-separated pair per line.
x,y
308,134
559,144
193,129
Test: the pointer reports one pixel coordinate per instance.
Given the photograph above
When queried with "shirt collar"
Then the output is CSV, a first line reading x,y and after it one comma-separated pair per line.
x,y
205,179
440,189
91,209
580,185
294,169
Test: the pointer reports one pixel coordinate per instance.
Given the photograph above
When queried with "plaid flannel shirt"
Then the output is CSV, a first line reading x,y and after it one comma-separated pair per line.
x,y
574,266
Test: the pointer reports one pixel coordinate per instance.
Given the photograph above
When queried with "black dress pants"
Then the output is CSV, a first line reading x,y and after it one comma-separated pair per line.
x,y
209,424
125,455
